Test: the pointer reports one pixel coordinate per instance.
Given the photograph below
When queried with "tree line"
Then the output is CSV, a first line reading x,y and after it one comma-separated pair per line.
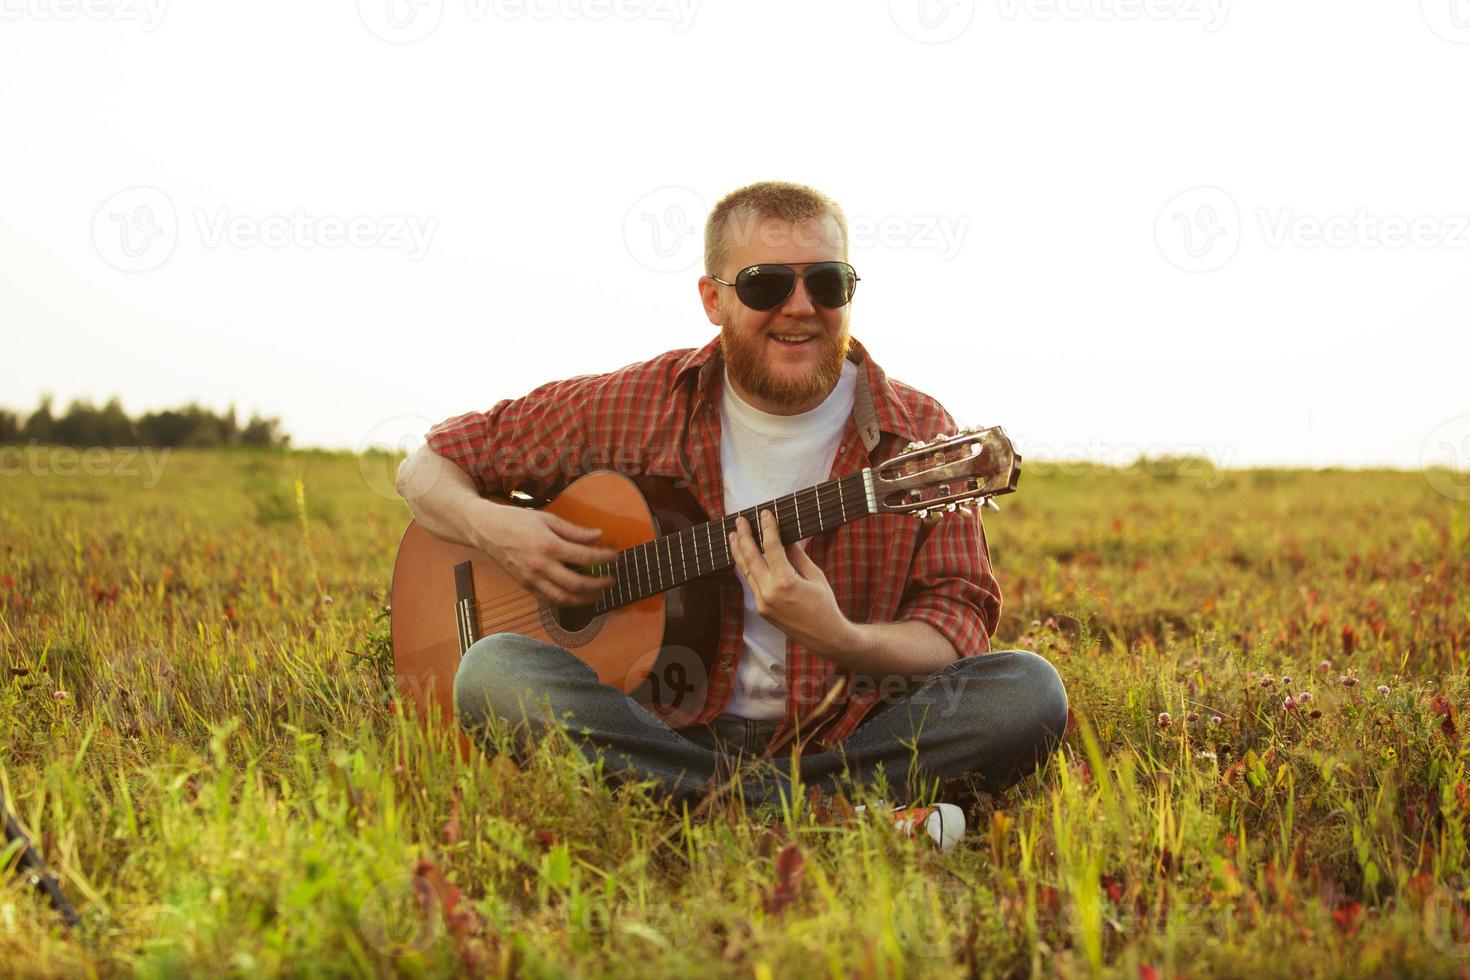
x,y
84,424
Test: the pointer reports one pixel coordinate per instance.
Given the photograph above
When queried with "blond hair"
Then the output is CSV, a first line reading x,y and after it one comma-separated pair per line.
x,y
792,203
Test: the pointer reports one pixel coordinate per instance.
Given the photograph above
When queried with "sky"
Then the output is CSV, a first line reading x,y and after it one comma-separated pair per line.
x,y
1239,230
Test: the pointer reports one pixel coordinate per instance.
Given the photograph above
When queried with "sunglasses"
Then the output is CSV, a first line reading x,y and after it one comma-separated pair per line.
x,y
765,287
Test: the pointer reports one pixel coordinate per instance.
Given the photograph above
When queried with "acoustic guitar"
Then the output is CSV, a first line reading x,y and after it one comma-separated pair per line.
x,y
654,634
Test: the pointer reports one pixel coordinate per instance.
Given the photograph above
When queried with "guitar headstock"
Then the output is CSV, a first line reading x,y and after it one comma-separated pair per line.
x,y
947,472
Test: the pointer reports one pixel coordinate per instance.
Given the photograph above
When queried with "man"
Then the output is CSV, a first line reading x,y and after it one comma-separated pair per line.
x,y
867,647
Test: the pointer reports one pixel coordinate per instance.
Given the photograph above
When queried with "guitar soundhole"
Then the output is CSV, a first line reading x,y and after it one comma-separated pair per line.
x,y
573,619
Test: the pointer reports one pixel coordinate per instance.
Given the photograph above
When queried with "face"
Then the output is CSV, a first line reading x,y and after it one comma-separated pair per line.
x,y
779,376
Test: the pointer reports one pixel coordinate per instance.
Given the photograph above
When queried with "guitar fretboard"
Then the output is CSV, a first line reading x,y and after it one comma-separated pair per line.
x,y
704,549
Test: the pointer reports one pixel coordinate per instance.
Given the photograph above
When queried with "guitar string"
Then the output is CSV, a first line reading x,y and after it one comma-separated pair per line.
x,y
526,608
509,599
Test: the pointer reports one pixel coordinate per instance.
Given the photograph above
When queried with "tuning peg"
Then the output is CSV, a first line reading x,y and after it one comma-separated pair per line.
x,y
932,517
990,502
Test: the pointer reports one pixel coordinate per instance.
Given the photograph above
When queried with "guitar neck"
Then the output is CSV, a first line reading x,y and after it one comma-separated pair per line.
x,y
671,560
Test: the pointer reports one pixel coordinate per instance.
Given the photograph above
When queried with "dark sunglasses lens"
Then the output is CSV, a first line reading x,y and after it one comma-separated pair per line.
x,y
831,285
765,286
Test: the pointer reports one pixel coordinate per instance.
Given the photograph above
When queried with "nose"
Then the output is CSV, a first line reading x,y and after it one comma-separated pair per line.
x,y
798,304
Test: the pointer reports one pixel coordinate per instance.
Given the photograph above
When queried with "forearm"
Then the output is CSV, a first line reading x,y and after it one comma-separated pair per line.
x,y
442,497
911,649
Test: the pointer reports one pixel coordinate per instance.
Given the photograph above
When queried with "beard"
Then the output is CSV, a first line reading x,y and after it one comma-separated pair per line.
x,y
746,360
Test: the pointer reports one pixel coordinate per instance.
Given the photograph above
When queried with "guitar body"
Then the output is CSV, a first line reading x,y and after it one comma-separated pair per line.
x,y
659,649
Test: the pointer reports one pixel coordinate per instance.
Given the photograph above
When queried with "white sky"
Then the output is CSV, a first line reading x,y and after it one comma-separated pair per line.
x,y
1018,175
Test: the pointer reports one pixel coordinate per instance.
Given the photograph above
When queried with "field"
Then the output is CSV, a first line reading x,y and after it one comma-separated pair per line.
x,y
200,731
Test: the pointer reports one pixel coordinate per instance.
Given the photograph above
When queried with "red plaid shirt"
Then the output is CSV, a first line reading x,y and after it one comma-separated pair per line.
x,y
661,417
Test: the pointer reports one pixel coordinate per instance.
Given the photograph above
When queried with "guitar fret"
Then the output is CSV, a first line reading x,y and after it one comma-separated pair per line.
x,y
683,565
796,503
840,502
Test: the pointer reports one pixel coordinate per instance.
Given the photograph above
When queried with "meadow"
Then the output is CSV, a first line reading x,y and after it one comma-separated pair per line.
x,y
1265,773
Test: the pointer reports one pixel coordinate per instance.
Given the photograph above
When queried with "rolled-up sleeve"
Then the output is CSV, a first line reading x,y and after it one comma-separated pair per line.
x,y
534,443
950,585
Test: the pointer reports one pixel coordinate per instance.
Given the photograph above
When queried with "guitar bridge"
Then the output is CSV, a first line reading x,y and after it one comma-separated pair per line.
x,y
466,616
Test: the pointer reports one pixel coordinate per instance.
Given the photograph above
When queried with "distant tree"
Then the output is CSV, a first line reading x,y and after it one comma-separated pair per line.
x,y
40,427
84,424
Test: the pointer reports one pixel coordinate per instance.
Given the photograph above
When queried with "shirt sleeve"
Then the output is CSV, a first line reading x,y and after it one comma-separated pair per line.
x,y
535,443
951,586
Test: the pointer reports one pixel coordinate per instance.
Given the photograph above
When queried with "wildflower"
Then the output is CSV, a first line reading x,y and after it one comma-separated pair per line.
x,y
1383,689
326,600
1035,624
1304,697
1206,754
1325,666
1347,680
1289,704
1051,622
1215,719
1267,681
1192,717
60,695
1165,719
1286,681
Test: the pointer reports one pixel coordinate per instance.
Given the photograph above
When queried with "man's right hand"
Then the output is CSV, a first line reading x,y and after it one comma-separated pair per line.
x,y
534,547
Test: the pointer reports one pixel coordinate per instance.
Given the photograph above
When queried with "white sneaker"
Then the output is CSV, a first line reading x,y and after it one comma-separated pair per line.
x,y
943,822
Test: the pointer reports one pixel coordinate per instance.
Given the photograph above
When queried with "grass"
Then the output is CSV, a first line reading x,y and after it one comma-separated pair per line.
x,y
201,734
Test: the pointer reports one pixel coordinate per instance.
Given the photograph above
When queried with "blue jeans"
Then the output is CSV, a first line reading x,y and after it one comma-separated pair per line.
x,y
994,717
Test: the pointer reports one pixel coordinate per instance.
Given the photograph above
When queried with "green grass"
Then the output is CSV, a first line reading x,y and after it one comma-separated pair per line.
x,y
225,785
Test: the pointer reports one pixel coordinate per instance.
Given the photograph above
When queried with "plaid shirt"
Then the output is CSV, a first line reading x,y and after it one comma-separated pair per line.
x,y
661,417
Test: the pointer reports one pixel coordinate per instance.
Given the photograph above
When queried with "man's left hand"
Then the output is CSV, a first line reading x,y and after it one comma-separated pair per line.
x,y
790,591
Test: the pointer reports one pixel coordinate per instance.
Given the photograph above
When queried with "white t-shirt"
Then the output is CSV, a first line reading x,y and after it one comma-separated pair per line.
x,y
762,457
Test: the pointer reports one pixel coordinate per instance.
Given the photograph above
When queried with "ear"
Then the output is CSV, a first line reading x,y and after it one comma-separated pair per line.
x,y
709,297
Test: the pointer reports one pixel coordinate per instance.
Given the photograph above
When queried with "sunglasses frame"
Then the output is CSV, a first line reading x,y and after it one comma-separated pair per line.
x,y
797,274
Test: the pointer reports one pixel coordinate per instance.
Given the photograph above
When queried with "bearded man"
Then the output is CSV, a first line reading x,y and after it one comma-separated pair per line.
x,y
863,647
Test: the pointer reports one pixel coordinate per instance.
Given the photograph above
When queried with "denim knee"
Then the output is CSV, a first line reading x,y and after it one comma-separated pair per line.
x,y
491,676
1046,694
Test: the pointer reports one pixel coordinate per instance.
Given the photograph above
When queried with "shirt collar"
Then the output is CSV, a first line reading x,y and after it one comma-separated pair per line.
x,y
876,406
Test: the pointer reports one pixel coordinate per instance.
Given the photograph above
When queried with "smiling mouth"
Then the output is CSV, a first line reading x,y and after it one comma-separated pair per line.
x,y
793,340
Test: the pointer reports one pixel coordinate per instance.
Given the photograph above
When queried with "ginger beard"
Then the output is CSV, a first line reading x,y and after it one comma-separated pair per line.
x,y
746,358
